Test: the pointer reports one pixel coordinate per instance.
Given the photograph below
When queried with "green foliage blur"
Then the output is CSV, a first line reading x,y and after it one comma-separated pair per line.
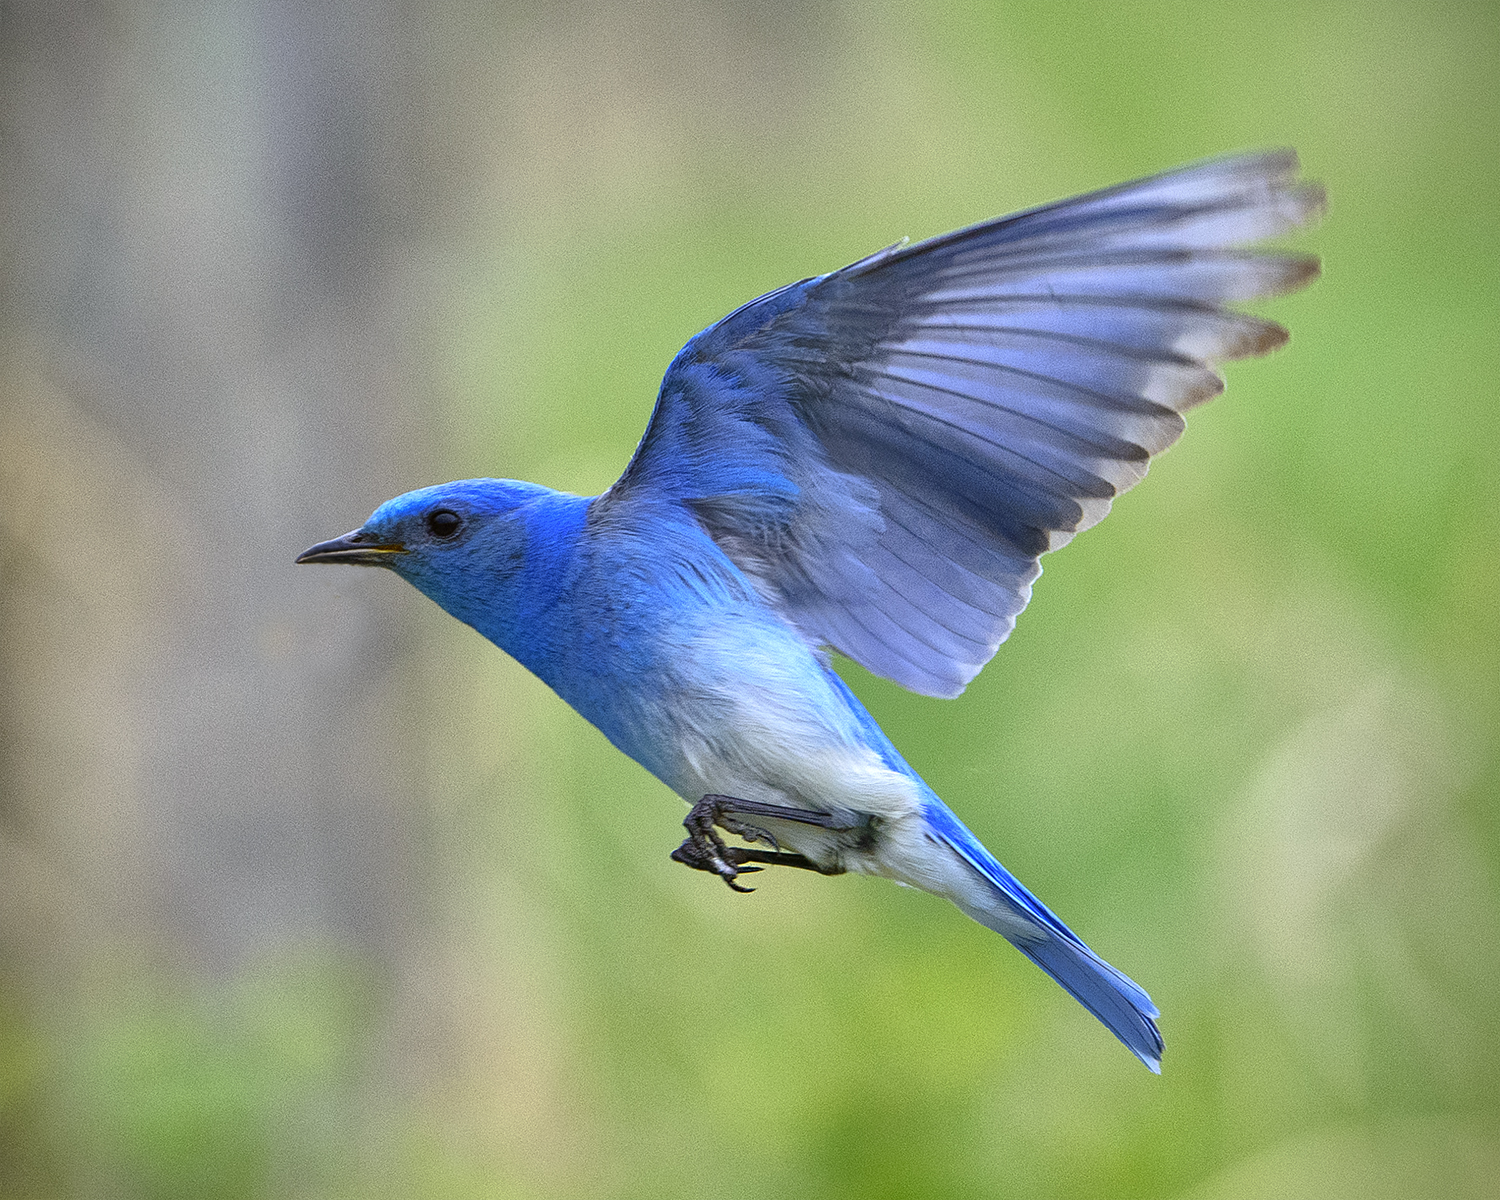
x,y
1244,741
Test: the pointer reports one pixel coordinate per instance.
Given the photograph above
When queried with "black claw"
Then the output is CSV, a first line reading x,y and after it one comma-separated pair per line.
x,y
705,850
751,833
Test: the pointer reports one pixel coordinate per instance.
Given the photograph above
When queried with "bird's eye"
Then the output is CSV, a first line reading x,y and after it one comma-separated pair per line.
x,y
443,523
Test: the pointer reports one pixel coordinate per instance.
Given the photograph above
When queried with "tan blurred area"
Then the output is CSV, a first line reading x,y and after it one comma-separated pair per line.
x,y
213,341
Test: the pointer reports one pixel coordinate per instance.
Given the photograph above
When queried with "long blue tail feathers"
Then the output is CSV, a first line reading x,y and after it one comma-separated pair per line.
x,y
1125,1009
1028,924
1120,1003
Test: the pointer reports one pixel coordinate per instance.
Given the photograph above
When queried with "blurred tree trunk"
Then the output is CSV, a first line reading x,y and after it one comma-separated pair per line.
x,y
206,362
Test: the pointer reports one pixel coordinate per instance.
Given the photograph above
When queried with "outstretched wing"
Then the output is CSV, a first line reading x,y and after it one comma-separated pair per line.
x,y
886,450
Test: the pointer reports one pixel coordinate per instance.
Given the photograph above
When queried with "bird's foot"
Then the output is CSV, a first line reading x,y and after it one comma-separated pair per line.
x,y
705,850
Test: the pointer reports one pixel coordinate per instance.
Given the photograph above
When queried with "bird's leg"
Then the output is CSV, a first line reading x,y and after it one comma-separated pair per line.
x,y
705,850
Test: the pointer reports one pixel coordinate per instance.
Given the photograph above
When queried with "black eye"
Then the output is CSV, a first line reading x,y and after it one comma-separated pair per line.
x,y
443,523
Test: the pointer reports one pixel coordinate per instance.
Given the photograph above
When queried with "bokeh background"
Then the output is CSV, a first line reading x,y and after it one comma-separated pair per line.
x,y
305,891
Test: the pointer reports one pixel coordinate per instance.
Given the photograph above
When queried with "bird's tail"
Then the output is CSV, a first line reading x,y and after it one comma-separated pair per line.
x,y
1023,920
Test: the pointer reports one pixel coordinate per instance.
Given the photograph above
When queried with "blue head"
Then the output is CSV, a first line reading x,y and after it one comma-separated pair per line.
x,y
481,548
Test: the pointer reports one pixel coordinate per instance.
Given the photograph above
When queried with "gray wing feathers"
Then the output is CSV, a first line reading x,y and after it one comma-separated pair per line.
x,y
999,386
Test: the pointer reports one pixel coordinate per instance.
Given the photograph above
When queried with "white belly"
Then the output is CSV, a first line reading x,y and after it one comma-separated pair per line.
x,y
763,722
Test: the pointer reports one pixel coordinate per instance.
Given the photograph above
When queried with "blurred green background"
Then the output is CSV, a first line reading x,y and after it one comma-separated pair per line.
x,y
305,891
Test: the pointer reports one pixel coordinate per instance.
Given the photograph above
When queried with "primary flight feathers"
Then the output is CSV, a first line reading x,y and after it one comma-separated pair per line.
x,y
888,449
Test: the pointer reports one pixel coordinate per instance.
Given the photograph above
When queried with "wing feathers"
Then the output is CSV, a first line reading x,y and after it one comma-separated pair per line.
x,y
1183,275
1169,328
1002,439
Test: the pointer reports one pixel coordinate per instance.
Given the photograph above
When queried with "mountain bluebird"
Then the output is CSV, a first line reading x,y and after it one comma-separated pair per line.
x,y
871,461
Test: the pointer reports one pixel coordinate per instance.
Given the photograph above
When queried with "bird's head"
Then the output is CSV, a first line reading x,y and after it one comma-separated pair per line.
x,y
458,543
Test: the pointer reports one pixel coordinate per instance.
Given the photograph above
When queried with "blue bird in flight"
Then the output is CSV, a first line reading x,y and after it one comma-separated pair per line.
x,y
872,461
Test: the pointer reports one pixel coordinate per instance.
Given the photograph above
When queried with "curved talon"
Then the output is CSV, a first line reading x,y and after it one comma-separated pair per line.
x,y
754,833
728,865
725,869
751,833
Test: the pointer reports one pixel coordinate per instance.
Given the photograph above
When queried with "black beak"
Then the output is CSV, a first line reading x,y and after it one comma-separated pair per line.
x,y
354,549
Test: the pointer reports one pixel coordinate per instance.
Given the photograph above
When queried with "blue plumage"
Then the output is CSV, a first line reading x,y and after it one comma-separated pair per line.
x,y
871,460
